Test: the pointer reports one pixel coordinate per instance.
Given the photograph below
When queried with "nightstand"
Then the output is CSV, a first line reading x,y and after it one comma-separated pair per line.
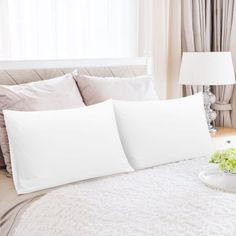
x,y
224,138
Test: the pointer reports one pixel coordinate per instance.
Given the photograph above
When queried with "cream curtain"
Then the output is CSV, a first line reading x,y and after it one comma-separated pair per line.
x,y
160,39
222,25
233,50
206,26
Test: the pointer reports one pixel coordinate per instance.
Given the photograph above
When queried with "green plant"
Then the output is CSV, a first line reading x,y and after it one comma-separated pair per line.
x,y
226,160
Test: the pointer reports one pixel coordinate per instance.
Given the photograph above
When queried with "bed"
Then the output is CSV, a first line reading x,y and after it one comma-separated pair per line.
x,y
163,200
162,204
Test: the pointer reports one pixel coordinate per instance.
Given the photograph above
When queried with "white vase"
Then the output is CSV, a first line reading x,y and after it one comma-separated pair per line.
x,y
229,179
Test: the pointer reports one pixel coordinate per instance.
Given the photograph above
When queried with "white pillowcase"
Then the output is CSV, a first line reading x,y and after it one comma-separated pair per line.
x,y
98,89
159,132
51,148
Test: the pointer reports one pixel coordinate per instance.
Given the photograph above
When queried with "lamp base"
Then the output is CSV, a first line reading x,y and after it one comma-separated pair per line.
x,y
209,99
211,129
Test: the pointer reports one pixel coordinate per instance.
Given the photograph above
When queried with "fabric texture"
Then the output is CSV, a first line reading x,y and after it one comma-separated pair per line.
x,y
207,26
160,132
166,200
81,143
12,204
53,94
98,89
233,51
13,77
222,21
159,28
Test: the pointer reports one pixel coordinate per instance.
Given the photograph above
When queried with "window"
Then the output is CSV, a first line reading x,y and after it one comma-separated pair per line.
x,y
56,29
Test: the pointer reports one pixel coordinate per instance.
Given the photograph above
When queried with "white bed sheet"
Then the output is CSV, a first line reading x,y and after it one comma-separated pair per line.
x,y
165,200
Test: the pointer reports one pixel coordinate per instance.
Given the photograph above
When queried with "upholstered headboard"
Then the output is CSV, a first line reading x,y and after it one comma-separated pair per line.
x,y
17,72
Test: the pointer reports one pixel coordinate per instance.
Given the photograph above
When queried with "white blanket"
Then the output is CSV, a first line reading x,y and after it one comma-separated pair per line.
x,y
166,200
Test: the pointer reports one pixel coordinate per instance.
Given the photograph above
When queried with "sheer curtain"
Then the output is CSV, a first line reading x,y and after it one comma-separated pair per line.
x,y
160,38
54,29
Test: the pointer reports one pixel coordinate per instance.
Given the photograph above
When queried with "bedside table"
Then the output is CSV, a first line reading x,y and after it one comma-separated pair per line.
x,y
224,138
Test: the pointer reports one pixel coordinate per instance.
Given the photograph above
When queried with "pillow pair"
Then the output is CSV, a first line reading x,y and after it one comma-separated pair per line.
x,y
51,148
63,93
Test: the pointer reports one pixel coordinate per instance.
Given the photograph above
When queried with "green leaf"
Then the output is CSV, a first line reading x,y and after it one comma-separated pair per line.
x,y
225,159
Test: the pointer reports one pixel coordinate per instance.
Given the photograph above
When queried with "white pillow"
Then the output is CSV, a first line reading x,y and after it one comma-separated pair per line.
x,y
158,132
98,89
51,148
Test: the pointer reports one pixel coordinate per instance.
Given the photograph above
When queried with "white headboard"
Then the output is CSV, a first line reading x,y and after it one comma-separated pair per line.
x,y
16,72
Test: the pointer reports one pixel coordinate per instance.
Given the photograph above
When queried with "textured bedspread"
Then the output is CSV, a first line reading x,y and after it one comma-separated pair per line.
x,y
166,200
12,205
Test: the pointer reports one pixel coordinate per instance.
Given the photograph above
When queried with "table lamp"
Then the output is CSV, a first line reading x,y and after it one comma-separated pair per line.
x,y
206,69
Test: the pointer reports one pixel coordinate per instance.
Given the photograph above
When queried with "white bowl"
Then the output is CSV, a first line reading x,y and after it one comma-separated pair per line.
x,y
229,179
214,178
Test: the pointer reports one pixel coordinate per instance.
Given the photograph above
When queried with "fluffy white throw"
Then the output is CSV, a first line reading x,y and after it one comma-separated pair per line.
x,y
167,200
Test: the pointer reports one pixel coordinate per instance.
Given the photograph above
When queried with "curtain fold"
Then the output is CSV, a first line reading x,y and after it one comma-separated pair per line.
x,y
207,26
162,42
223,19
233,51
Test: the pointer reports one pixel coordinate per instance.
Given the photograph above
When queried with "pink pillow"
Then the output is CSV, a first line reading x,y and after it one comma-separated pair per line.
x,y
53,94
98,89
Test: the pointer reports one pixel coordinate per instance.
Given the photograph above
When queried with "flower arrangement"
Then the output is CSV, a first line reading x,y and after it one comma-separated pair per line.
x,y
226,160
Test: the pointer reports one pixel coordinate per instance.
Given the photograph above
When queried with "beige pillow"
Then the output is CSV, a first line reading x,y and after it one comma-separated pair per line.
x,y
53,94
98,89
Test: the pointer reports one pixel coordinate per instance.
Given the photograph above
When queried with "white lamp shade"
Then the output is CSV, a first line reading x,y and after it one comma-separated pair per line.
x,y
207,68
